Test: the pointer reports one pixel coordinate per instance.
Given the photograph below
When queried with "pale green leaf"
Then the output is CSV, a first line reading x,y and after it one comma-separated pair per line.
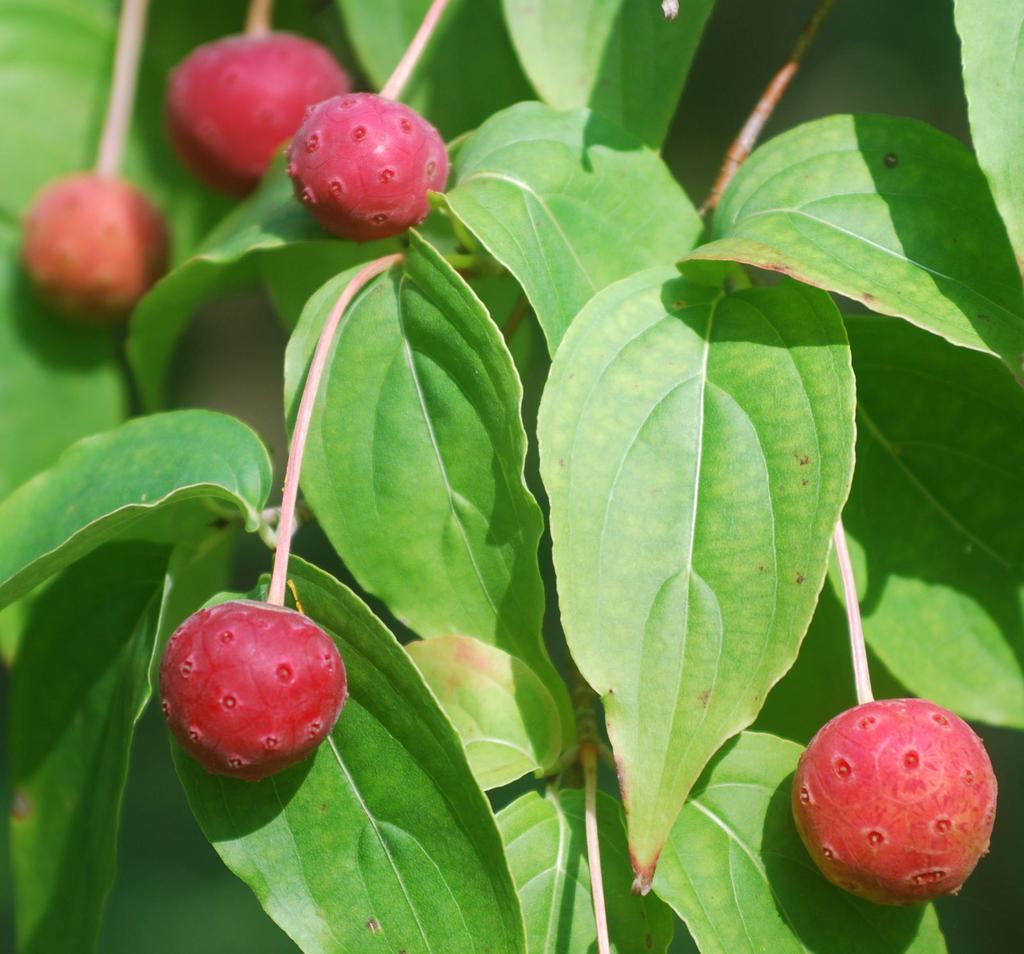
x,y
505,716
568,203
697,446
889,212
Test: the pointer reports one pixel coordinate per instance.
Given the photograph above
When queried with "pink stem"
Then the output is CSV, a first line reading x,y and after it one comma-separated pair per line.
x,y
392,89
861,674
286,524
588,760
131,29
257,20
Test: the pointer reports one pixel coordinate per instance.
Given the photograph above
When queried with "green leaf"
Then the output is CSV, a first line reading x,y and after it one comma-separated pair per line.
x,y
621,58
59,382
414,464
78,690
889,212
569,204
109,484
938,550
268,223
382,841
506,717
991,38
735,870
546,843
697,447
467,72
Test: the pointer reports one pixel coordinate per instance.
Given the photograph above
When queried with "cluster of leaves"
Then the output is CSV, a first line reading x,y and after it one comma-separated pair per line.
x,y
697,439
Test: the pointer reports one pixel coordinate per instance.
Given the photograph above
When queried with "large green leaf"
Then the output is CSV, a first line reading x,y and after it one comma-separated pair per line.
x,y
546,843
382,841
79,688
621,58
569,204
505,716
939,550
59,381
697,447
414,464
992,36
735,870
244,244
889,212
105,485
467,72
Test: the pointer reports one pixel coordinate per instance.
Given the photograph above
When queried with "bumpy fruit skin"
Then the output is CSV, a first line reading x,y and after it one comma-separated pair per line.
x,y
363,165
231,103
895,801
93,246
249,689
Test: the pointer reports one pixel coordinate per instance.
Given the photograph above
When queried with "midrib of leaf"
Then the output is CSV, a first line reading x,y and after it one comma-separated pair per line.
x,y
380,838
560,870
441,467
918,484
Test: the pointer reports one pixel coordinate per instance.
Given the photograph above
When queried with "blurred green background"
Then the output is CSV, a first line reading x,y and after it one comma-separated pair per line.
x,y
173,895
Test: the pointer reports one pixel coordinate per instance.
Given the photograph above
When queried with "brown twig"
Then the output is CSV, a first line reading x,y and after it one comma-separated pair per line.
x,y
130,32
744,142
286,523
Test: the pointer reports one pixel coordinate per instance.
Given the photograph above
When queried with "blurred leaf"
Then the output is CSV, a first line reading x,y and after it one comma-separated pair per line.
x,y
468,70
676,414
414,464
546,843
505,716
382,841
621,58
940,558
105,485
569,204
736,871
268,222
59,382
991,37
889,212
78,690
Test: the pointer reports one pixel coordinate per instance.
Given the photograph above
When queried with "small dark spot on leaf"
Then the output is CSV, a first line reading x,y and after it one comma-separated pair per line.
x,y
374,926
703,697
802,459
220,523
891,160
804,482
800,578
649,941
21,807
761,568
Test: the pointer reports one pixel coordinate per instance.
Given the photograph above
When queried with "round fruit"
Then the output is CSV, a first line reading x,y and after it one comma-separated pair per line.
x,y
249,689
895,800
93,246
231,103
363,166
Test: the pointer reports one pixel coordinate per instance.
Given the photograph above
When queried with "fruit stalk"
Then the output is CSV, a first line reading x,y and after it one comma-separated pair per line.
x,y
392,89
130,32
861,673
747,137
257,20
286,524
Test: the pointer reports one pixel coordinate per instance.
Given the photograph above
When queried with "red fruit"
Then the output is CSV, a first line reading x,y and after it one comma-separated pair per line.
x,y
363,166
895,801
231,103
93,246
249,689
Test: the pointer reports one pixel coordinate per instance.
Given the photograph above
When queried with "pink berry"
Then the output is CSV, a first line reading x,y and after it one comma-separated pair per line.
x,y
93,246
895,801
363,165
231,103
249,689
